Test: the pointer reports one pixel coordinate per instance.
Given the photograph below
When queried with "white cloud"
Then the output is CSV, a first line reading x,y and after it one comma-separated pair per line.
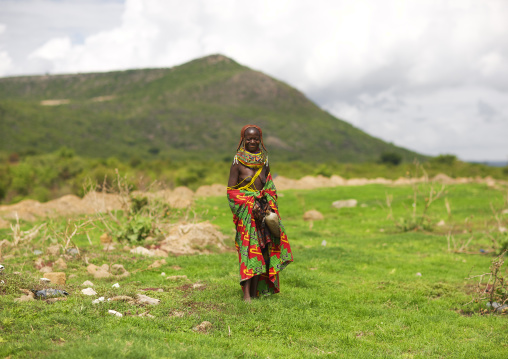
x,y
411,72
5,59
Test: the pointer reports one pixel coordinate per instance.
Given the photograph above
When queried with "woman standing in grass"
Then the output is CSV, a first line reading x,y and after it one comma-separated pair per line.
x,y
261,241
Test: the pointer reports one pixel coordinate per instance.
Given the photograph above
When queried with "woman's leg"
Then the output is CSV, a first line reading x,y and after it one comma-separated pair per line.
x,y
254,286
246,290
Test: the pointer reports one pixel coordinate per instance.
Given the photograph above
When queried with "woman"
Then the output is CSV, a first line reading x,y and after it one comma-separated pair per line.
x,y
262,252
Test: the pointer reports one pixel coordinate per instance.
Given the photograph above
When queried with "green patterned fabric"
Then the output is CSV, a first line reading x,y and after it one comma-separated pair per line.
x,y
251,259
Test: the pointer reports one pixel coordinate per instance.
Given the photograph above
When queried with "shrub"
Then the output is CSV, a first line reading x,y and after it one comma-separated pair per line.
x,y
446,159
391,158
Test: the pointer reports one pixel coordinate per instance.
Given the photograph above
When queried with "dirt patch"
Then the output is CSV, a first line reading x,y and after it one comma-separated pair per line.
x,y
190,238
211,191
55,102
102,98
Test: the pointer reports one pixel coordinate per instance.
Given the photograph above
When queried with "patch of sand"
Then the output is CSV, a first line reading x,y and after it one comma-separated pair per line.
x,y
55,102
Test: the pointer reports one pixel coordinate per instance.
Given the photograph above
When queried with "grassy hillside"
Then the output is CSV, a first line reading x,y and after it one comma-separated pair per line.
x,y
190,111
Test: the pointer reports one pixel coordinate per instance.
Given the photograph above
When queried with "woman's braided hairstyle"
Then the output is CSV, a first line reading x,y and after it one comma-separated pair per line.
x,y
242,135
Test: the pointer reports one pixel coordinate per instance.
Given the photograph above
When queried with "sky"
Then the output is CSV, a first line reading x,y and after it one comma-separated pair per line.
x,y
427,75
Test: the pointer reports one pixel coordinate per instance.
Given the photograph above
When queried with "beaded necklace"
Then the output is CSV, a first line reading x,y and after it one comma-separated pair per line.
x,y
252,160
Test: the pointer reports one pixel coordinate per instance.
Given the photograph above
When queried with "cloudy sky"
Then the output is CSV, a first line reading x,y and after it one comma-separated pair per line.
x,y
429,75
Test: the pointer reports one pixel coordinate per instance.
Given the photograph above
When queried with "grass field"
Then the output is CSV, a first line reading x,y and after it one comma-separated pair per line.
x,y
358,296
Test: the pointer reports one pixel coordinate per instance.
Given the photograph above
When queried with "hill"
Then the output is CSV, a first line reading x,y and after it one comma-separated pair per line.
x,y
191,111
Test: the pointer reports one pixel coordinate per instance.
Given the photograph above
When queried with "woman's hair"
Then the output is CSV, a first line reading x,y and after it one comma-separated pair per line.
x,y
242,135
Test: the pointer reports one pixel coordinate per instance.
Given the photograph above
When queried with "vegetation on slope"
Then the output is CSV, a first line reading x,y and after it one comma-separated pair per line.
x,y
192,111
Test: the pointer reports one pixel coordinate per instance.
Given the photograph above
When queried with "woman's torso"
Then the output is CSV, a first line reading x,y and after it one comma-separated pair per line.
x,y
246,173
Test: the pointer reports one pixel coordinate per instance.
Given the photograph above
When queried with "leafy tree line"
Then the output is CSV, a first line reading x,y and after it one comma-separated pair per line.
x,y
49,176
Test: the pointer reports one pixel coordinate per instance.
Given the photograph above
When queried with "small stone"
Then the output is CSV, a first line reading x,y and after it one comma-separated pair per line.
x,y
37,252
441,223
60,264
87,283
56,277
418,274
177,277
147,300
347,203
163,274
116,285
312,215
502,229
198,285
177,314
114,312
142,251
88,291
98,300
323,243
105,238
45,280
53,250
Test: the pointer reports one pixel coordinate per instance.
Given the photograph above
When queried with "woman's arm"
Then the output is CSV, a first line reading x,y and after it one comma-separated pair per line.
x,y
233,175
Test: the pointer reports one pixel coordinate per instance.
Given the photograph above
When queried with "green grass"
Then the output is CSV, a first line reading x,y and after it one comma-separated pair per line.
x,y
358,296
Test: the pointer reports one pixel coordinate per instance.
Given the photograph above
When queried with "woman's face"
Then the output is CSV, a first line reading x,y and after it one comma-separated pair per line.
x,y
252,140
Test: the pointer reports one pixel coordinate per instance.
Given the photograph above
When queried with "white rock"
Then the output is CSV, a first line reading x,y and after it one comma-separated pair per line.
x,y
418,274
143,251
441,223
114,312
87,283
98,300
116,285
88,291
323,243
502,229
45,280
347,203
147,300
163,274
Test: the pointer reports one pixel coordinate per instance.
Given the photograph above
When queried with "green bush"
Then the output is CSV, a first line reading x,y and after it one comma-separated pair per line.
x,y
446,159
391,158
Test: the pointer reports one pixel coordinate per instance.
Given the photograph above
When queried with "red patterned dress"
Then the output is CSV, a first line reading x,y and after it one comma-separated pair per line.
x,y
251,238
